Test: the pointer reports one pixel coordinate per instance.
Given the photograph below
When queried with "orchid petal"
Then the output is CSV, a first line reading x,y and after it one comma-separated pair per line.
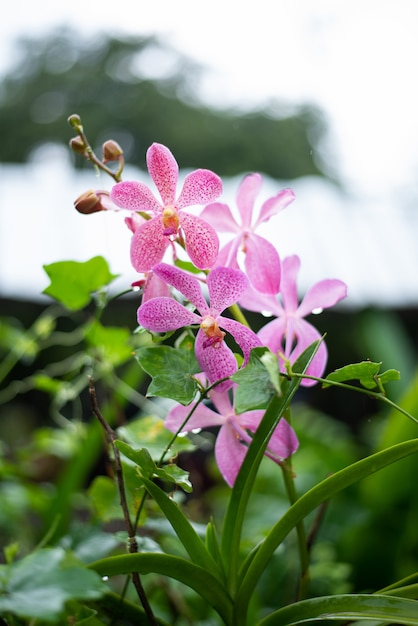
x,y
262,263
225,286
148,245
283,442
253,300
217,362
134,221
183,282
229,453
288,286
246,195
222,402
323,295
161,315
274,205
202,243
272,334
164,171
221,218
202,417
155,288
227,256
134,196
305,335
245,337
200,187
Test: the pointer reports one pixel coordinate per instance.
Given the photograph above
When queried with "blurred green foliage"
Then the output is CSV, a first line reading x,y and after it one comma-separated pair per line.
x,y
59,495
116,86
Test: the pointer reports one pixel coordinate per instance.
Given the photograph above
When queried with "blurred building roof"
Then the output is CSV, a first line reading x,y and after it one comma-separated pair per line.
x,y
373,247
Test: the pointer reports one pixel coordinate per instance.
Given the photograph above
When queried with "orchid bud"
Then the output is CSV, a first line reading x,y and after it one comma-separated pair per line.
x,y
89,202
111,151
78,145
74,120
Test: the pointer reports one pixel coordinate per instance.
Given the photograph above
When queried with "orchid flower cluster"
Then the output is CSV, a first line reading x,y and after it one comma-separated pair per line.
x,y
203,271
247,272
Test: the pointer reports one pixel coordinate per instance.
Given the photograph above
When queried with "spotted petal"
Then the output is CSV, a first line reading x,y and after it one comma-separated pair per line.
x,y
225,286
216,362
202,243
245,337
148,245
135,196
183,282
163,170
161,315
200,187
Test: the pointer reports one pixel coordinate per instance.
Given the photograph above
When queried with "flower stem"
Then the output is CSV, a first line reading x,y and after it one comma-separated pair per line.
x,y
239,315
288,477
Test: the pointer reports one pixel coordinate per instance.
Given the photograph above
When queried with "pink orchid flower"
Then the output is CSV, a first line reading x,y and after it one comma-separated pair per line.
x,y
262,261
168,220
225,287
289,334
233,437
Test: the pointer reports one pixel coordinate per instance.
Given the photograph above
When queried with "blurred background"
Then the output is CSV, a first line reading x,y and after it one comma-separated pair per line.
x,y
318,96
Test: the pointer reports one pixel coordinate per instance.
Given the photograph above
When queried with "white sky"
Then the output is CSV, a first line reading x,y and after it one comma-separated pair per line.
x,y
356,58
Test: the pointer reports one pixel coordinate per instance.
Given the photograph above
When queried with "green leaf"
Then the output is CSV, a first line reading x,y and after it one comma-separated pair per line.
x,y
174,474
257,381
141,458
105,499
208,586
183,528
110,343
39,585
147,468
187,266
389,375
386,609
73,282
309,501
366,372
171,370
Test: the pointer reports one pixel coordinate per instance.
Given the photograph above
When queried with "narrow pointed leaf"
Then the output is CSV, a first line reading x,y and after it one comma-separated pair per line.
x,y
306,504
385,609
234,518
191,541
194,576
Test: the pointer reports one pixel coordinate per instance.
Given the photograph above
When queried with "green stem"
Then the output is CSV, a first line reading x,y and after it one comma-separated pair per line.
x,y
300,531
288,477
367,392
239,315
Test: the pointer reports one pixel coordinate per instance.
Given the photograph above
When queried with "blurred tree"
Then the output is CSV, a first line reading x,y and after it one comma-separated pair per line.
x,y
136,91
